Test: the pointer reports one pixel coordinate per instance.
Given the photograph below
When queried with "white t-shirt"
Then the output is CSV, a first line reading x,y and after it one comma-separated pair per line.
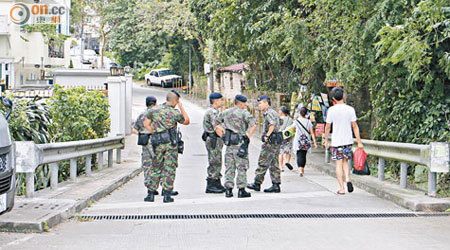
x,y
341,116
299,130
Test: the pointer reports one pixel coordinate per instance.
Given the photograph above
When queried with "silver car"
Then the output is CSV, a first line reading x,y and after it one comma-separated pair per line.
x,y
7,166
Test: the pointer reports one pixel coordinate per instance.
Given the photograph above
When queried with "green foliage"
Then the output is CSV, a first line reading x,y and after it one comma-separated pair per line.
x,y
74,114
29,120
81,113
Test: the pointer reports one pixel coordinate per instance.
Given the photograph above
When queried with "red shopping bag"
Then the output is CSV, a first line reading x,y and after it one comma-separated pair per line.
x,y
360,157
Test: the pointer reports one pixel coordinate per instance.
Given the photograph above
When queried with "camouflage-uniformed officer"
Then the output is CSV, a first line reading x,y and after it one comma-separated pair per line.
x,y
162,121
214,145
147,151
270,148
234,123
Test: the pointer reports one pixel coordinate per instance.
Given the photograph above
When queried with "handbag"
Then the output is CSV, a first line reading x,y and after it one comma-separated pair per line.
x,y
143,139
304,141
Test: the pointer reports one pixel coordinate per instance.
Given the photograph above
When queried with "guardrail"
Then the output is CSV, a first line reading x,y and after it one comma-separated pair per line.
x,y
30,155
407,153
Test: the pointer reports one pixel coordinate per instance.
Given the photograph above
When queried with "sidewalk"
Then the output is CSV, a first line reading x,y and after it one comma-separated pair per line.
x,y
411,199
51,207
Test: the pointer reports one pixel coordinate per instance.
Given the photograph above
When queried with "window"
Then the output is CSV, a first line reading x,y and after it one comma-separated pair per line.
x,y
165,72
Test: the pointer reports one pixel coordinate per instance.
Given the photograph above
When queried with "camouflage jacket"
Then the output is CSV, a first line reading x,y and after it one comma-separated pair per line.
x,y
139,123
271,117
237,120
164,117
209,120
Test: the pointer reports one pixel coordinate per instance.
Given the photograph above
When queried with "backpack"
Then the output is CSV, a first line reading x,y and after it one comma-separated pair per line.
x,y
304,142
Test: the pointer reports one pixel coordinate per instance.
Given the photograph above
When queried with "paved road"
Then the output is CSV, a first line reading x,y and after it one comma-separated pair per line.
x,y
312,194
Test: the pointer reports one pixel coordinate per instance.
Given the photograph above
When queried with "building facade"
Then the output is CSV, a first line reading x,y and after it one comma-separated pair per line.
x,y
26,56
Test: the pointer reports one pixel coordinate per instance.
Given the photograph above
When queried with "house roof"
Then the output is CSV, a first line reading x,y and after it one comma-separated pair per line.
x,y
233,68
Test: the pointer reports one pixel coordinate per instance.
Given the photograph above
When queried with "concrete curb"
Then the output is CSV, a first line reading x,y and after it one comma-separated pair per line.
x,y
413,200
53,219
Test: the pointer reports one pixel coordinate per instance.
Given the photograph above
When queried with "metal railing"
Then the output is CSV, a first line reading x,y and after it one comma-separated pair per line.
x,y
405,153
30,155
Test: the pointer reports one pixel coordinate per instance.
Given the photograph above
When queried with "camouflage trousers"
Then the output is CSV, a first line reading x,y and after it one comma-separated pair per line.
x,y
164,167
214,158
268,159
147,158
235,163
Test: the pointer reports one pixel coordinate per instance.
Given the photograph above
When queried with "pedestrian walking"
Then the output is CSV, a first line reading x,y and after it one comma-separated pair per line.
x,y
162,122
343,118
302,140
147,154
214,145
286,146
232,126
270,148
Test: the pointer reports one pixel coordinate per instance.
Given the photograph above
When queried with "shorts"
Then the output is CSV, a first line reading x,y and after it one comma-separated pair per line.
x,y
341,152
286,147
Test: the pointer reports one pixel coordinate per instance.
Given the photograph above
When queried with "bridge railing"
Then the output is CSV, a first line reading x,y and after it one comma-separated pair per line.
x,y
29,156
434,156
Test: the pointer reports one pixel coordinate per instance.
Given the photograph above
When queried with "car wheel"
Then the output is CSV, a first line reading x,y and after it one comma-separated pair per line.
x,y
163,84
149,83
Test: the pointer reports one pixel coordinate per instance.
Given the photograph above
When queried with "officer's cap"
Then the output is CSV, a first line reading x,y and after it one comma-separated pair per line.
x,y
150,100
241,98
215,95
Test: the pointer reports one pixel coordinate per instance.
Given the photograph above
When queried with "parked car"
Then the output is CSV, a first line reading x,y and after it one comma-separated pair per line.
x,y
161,77
89,56
7,167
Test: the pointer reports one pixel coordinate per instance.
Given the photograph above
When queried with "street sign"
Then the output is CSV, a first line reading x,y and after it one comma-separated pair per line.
x,y
440,157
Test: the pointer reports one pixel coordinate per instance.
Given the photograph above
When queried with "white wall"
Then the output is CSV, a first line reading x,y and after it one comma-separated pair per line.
x,y
80,77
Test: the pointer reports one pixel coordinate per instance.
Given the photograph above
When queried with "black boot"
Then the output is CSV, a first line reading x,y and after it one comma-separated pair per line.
x,y
229,192
211,186
172,193
275,188
150,196
167,197
243,194
219,185
255,186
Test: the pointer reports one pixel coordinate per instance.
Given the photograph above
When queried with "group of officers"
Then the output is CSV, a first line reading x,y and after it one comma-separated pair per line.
x,y
233,127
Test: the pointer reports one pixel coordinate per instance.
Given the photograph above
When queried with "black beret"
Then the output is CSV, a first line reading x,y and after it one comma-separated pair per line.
x,y
264,97
215,95
241,98
150,99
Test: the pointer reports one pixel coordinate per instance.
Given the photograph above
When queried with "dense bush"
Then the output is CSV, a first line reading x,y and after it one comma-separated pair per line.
x,y
70,115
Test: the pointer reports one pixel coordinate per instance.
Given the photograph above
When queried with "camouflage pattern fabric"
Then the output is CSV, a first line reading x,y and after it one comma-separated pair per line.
x,y
235,163
237,120
214,158
164,117
147,154
268,158
164,167
214,154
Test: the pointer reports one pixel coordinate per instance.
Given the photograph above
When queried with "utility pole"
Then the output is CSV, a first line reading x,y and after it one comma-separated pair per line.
x,y
190,65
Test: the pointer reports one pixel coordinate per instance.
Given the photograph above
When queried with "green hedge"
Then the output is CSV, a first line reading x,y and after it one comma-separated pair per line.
x,y
70,115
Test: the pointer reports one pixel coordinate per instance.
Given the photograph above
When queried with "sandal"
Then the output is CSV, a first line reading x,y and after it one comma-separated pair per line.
x,y
349,187
340,193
